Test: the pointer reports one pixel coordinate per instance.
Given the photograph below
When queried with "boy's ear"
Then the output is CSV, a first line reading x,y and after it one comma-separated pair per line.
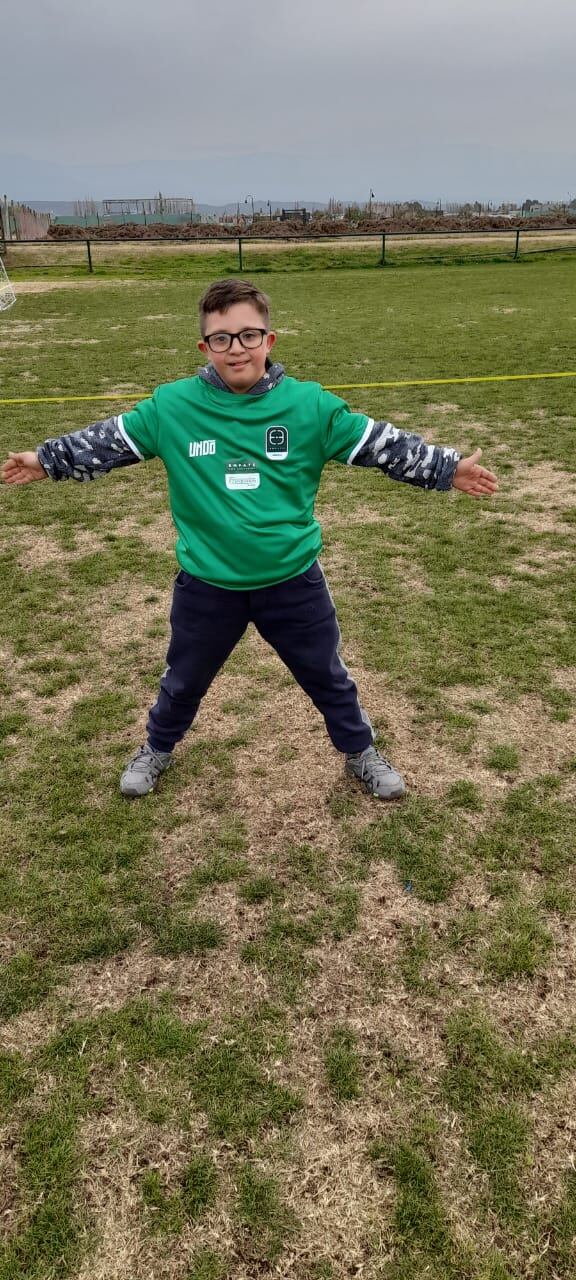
x,y
202,346
270,340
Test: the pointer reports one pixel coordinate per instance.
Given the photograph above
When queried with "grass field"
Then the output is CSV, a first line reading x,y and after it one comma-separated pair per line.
x,y
147,258
258,1024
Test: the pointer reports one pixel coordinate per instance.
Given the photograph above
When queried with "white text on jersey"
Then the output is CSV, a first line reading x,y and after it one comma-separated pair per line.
x,y
200,448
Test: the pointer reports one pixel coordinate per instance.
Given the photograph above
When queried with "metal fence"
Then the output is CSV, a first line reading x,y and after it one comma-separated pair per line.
x,y
238,245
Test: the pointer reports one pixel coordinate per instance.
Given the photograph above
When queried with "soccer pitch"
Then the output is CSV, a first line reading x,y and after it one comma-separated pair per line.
x,y
257,1024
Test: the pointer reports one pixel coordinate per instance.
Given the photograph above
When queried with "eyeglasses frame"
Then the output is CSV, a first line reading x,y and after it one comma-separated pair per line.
x,y
238,335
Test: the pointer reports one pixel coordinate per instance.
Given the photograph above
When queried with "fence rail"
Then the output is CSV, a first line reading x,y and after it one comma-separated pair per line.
x,y
240,243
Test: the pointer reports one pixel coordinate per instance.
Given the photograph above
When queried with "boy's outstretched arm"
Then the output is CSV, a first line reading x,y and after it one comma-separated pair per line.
x,y
402,455
82,455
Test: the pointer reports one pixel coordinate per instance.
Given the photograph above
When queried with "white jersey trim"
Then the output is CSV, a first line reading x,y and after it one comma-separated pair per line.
x,y
126,437
361,441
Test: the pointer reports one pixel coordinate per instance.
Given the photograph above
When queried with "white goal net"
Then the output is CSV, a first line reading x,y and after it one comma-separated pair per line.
x,y
7,295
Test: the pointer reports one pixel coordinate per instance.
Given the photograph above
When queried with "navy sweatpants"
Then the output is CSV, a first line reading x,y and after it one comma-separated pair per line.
x,y
296,617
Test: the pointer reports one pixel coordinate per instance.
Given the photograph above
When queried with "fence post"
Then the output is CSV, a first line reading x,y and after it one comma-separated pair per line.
x,y
383,257
240,253
517,248
90,267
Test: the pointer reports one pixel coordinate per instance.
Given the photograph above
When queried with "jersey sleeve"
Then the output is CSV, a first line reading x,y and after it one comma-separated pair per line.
x,y
343,430
140,428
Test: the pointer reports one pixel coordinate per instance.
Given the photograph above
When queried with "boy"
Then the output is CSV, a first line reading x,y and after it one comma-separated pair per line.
x,y
244,447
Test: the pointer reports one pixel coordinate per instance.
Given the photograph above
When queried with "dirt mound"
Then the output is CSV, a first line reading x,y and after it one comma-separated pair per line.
x,y
318,228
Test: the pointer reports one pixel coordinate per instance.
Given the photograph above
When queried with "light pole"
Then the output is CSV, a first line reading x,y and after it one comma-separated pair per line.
x,y
269,209
251,198
370,203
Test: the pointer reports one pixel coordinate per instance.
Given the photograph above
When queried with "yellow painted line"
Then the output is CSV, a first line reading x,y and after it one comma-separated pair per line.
x,y
437,382
340,386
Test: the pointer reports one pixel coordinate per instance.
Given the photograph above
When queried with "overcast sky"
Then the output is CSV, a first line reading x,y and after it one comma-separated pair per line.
x,y
301,99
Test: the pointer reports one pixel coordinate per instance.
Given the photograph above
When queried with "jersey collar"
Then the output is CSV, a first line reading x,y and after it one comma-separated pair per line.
x,y
273,375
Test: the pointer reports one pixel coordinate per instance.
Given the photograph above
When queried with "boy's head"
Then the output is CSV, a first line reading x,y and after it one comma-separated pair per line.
x,y
229,308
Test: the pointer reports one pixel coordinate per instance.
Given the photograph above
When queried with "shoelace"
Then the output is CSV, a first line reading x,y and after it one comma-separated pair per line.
x,y
376,764
146,761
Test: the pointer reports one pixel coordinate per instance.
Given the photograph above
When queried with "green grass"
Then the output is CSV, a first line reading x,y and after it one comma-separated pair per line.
x,y
14,1083
417,950
519,943
267,1222
49,1242
207,1265
480,1066
424,1240
534,830
24,982
414,839
227,1077
301,957
499,1144
195,1194
503,758
145,260
343,1068
465,795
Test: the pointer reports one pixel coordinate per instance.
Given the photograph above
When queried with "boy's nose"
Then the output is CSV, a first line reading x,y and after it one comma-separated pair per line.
x,y
236,339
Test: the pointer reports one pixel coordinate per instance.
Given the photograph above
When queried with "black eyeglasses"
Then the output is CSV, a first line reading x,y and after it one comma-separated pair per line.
x,y
248,338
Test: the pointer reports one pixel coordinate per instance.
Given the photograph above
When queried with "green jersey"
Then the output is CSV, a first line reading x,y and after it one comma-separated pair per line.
x,y
243,473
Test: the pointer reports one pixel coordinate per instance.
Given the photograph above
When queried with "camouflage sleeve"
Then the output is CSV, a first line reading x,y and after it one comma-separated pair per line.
x,y
87,454
404,456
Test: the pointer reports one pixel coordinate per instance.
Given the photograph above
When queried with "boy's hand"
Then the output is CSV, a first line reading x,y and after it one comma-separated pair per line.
x,y
473,479
22,468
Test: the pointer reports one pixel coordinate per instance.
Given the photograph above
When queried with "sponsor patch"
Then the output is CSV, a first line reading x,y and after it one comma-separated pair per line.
x,y
276,442
242,474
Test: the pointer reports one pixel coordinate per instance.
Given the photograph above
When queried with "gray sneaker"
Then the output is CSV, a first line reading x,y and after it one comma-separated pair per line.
x,y
142,773
376,774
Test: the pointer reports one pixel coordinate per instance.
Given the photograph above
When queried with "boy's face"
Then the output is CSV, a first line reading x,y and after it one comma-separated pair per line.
x,y
240,367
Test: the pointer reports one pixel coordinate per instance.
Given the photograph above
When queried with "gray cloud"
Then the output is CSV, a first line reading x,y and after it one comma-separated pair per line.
x,y
452,99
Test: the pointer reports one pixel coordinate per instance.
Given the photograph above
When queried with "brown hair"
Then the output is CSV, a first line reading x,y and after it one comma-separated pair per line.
x,y
225,293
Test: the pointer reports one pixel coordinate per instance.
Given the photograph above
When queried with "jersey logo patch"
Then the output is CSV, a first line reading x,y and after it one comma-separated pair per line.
x,y
201,448
276,442
242,474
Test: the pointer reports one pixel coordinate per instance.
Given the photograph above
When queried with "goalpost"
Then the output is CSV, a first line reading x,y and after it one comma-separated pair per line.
x,y
7,295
